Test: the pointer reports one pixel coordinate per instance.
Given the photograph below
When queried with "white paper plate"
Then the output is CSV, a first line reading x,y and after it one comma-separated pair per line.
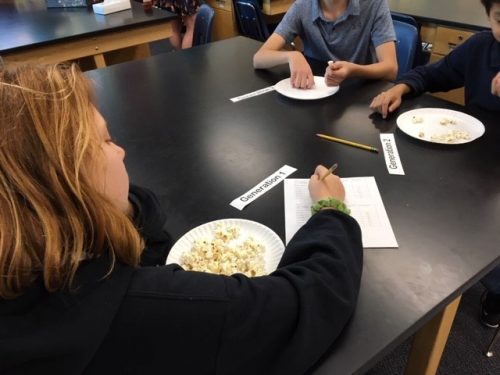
x,y
320,89
260,233
425,124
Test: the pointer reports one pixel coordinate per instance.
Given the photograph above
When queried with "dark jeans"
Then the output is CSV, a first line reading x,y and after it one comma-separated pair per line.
x,y
492,283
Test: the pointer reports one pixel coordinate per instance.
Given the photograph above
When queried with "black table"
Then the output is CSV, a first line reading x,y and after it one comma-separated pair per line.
x,y
31,32
189,143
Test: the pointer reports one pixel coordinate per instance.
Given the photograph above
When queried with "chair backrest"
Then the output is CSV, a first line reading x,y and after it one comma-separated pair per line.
x,y
250,20
406,44
203,25
419,58
401,17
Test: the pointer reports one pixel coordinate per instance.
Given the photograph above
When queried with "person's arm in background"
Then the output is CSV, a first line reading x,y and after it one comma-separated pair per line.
x,y
385,68
382,36
388,101
443,75
272,54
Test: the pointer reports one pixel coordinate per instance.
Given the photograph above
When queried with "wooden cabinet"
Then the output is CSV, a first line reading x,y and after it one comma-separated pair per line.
x,y
224,21
276,7
444,40
447,39
428,32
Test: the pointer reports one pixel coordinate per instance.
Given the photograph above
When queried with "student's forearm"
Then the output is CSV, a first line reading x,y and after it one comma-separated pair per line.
x,y
268,58
375,71
401,89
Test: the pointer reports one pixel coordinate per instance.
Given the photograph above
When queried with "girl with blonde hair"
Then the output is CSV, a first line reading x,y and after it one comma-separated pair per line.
x,y
83,284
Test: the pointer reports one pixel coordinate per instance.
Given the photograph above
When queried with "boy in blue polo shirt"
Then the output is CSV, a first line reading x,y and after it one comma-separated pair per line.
x,y
474,65
357,35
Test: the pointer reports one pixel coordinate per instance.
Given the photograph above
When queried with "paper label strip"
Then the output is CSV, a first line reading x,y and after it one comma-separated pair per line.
x,y
263,187
252,94
391,154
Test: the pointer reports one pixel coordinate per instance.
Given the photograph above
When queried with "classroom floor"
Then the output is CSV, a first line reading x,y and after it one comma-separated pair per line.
x,y
464,352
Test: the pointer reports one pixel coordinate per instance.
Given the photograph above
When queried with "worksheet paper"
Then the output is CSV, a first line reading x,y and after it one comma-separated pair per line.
x,y
363,199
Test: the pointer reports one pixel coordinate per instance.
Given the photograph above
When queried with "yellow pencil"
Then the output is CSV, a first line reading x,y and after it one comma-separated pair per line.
x,y
349,143
330,171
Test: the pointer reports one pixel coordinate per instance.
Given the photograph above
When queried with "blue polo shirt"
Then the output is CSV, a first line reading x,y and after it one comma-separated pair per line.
x,y
353,36
471,65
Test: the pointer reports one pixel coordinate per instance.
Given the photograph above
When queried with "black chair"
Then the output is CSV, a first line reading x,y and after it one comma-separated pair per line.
x,y
203,25
250,20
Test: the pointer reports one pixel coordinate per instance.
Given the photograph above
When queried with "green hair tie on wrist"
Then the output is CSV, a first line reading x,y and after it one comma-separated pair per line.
x,y
330,203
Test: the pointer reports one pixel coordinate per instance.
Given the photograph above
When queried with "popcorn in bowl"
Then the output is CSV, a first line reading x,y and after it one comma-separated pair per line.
x,y
227,253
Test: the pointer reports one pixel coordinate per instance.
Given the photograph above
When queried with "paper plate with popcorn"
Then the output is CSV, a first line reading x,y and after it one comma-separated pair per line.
x,y
227,247
439,125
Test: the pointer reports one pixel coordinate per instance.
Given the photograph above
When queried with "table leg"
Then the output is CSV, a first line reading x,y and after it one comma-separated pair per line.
x,y
99,60
430,341
140,51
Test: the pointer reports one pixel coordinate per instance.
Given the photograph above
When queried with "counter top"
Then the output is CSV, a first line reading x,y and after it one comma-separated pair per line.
x,y
459,13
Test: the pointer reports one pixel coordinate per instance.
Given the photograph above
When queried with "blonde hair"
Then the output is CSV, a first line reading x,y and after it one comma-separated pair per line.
x,y
51,215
